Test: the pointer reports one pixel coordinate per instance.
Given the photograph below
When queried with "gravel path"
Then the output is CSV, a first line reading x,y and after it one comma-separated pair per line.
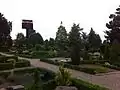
x,y
110,80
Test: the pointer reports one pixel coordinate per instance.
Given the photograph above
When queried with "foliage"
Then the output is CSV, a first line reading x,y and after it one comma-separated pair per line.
x,y
94,39
61,38
115,53
63,77
37,47
5,29
36,84
114,27
75,41
20,40
35,38
82,85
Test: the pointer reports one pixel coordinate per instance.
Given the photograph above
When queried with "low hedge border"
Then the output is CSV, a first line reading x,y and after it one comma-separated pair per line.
x,y
26,70
79,84
7,66
75,67
5,58
83,85
112,67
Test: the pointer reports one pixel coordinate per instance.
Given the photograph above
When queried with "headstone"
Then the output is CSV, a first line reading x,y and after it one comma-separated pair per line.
x,y
65,88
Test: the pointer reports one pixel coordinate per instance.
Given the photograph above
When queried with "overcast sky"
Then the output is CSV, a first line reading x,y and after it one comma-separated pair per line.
x,y
47,14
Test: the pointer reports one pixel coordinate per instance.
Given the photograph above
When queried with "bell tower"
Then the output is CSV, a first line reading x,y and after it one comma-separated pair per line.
x,y
28,25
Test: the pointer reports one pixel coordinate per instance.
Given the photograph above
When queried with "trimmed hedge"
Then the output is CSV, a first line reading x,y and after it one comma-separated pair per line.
x,y
5,58
75,67
93,61
23,63
7,66
79,84
82,85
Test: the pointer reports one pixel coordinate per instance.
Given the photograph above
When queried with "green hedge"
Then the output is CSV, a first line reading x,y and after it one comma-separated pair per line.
x,y
7,66
87,70
23,63
11,57
93,61
82,85
2,59
5,58
79,84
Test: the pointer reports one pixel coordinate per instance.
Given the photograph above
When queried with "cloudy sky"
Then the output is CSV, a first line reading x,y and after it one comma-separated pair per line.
x,y
47,14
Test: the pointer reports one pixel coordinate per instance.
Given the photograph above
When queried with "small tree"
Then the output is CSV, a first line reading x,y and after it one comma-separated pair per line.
x,y
63,77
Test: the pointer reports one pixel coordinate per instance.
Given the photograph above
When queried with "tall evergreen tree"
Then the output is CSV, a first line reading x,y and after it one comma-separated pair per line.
x,y
94,39
61,37
113,32
75,41
5,29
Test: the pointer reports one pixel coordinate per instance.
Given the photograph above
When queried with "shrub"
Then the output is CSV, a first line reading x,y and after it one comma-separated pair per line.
x,y
63,77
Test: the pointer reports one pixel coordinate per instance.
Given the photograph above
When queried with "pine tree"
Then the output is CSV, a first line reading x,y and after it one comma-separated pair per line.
x,y
75,41
114,27
61,38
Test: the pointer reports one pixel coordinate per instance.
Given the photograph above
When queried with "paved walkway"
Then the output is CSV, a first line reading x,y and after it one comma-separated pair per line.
x,y
110,80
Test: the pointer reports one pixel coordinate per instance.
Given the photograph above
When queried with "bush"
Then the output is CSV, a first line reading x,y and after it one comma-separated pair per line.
x,y
63,76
